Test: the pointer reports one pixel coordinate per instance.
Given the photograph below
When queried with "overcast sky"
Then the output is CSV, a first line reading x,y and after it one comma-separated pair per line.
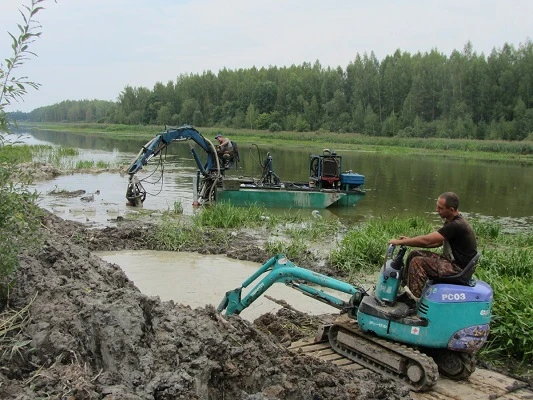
x,y
92,49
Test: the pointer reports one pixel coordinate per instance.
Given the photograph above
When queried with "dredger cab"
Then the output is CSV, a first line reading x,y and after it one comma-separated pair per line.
x,y
444,329
325,172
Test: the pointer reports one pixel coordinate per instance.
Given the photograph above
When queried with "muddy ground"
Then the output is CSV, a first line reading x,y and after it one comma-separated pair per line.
x,y
81,330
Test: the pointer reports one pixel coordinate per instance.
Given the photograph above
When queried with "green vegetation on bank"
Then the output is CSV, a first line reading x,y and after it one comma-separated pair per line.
x,y
63,158
494,150
18,212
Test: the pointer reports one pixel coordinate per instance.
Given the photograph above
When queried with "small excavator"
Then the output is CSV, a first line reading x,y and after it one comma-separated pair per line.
x,y
210,173
385,331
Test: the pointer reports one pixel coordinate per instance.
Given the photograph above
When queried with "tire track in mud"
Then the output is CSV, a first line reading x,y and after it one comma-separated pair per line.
x,y
483,384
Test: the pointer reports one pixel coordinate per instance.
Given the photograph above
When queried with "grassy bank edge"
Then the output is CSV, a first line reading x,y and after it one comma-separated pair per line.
x,y
501,151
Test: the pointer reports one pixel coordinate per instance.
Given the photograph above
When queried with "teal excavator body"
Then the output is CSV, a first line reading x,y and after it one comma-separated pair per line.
x,y
450,322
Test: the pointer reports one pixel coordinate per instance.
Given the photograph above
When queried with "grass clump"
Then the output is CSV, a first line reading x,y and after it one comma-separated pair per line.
x,y
509,271
15,154
59,157
174,235
177,208
312,229
293,249
19,222
487,230
227,216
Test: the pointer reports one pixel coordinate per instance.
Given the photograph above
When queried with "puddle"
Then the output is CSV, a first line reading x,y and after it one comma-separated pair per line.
x,y
197,280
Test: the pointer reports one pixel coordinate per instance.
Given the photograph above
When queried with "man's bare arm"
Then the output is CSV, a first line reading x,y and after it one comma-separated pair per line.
x,y
434,239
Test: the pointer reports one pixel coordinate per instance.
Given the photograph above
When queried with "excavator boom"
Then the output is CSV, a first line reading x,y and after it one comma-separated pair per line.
x,y
280,269
162,140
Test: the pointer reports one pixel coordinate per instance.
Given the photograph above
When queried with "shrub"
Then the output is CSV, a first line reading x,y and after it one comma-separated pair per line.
x,y
275,127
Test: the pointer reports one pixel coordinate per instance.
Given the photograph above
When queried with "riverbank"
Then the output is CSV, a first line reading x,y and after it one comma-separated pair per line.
x,y
493,150
86,331
513,258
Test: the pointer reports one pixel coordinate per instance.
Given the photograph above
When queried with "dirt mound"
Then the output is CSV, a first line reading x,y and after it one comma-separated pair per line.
x,y
89,333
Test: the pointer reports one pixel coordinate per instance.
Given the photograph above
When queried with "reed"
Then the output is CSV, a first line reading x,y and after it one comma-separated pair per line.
x,y
295,249
15,154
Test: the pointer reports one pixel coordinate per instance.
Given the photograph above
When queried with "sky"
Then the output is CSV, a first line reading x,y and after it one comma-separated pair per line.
x,y
93,49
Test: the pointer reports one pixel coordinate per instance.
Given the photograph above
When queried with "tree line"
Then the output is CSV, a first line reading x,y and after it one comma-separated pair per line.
x,y
464,95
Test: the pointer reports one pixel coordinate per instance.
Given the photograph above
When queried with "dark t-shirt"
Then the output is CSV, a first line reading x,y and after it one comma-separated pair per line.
x,y
461,238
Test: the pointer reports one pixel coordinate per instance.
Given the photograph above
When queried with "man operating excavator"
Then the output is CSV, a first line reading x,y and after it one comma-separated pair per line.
x,y
459,247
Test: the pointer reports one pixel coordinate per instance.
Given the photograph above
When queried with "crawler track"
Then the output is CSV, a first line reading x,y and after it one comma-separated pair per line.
x,y
402,363
482,385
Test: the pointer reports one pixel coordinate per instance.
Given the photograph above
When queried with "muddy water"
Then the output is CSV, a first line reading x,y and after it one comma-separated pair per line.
x,y
104,199
396,185
197,280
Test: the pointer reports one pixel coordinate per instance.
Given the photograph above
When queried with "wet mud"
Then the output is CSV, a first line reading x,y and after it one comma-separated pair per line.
x,y
82,330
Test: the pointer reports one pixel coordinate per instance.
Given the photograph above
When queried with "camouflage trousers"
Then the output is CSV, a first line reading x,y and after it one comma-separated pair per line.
x,y
423,265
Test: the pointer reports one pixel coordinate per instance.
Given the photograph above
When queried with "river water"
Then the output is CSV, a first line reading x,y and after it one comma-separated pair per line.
x,y
396,185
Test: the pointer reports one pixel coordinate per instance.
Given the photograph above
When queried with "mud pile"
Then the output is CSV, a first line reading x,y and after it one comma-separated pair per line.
x,y
89,333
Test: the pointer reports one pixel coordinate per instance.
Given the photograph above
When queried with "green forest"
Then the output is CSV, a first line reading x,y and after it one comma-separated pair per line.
x,y
463,95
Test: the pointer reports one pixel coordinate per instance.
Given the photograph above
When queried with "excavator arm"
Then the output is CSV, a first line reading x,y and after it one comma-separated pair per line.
x,y
210,170
280,269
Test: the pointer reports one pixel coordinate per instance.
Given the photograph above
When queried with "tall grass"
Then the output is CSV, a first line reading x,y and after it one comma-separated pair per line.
x,y
174,235
56,156
15,154
295,250
509,271
363,247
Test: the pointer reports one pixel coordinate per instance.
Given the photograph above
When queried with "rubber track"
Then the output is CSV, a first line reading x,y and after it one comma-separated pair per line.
x,y
429,367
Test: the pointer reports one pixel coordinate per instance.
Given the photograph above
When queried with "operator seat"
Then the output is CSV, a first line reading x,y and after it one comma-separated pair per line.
x,y
464,277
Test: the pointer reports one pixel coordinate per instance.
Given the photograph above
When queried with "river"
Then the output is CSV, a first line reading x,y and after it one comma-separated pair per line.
x,y
396,185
